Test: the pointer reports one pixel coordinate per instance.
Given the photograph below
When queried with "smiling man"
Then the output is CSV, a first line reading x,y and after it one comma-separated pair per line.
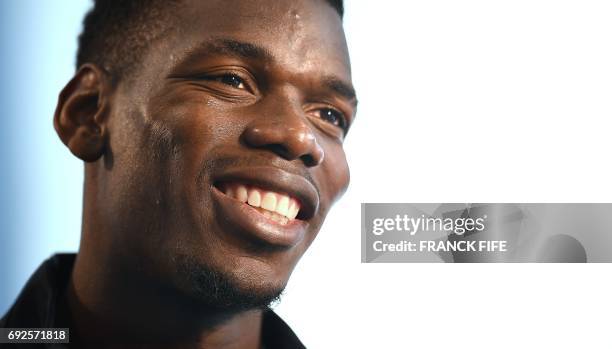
x,y
212,137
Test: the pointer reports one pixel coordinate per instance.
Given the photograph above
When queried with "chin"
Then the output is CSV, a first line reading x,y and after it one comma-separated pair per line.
x,y
229,290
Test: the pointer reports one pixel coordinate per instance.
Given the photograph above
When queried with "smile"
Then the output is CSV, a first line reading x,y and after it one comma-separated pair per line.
x,y
278,207
265,203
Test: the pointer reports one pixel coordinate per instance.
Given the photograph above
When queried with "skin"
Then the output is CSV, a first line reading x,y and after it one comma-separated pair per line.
x,y
155,143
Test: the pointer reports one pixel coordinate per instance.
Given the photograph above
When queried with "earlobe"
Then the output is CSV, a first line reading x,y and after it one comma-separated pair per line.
x,y
81,113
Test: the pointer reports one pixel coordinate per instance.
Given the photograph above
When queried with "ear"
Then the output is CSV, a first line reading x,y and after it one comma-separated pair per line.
x,y
81,113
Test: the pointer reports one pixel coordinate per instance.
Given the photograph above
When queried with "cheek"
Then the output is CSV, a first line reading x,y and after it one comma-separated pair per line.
x,y
187,124
194,127
335,175
159,149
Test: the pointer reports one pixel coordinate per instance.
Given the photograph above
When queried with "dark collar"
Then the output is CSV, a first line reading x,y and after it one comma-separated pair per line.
x,y
41,304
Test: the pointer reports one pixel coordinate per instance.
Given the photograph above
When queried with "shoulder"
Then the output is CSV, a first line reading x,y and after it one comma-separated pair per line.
x,y
36,304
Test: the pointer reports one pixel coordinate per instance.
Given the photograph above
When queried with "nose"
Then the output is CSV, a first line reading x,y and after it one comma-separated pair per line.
x,y
288,136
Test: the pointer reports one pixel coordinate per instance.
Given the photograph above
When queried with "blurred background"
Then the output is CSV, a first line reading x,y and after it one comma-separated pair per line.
x,y
41,181
470,101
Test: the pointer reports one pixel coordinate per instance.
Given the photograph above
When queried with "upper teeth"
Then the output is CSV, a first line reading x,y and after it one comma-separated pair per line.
x,y
271,201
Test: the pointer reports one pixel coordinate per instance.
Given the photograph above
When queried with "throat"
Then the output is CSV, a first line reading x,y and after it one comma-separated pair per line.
x,y
105,316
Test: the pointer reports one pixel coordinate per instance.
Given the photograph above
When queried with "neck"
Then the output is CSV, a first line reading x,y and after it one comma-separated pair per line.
x,y
112,310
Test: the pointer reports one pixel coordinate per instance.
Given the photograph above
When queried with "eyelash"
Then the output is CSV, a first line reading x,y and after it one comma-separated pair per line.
x,y
325,113
340,119
219,78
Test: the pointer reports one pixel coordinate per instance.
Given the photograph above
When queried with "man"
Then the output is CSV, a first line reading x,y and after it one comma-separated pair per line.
x,y
212,137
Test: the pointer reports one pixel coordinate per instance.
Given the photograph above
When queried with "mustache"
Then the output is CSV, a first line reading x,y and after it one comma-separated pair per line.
x,y
296,167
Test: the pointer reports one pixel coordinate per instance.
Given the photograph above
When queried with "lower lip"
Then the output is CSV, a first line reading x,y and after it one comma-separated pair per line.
x,y
248,220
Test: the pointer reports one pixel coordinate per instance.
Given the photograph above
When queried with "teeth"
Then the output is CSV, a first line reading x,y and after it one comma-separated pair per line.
x,y
229,192
241,193
294,208
282,207
277,207
269,201
254,198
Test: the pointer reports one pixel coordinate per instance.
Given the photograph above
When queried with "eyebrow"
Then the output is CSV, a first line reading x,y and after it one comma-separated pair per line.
x,y
340,87
245,50
234,48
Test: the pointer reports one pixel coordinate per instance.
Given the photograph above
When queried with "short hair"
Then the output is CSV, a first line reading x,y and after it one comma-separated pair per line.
x,y
117,33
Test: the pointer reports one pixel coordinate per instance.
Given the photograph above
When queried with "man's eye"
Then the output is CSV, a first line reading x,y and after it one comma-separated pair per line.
x,y
231,80
333,116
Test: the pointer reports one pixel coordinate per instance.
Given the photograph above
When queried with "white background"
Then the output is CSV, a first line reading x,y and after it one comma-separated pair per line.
x,y
466,101
460,101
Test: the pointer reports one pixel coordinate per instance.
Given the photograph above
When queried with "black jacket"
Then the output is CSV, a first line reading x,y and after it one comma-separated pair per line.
x,y
41,304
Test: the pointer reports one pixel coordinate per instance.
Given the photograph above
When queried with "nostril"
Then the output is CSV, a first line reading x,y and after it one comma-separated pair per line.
x,y
309,160
288,141
279,150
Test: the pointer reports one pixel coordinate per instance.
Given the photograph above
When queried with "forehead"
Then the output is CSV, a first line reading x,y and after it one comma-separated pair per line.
x,y
305,35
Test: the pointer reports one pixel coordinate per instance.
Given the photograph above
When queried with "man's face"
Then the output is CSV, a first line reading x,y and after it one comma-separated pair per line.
x,y
226,144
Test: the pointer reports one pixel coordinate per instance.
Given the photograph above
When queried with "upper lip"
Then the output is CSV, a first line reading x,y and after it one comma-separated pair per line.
x,y
277,180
